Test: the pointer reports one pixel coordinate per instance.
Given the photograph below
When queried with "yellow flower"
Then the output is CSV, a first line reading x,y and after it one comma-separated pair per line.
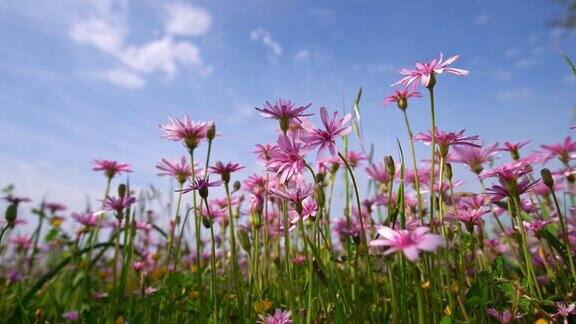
x,y
541,321
447,310
454,288
56,221
262,306
194,294
425,285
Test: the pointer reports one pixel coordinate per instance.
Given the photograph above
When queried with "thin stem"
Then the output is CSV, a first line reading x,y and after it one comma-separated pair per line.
x,y
415,162
565,235
432,159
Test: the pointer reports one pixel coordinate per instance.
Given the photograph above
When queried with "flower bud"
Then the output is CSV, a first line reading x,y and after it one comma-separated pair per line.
x,y
547,178
244,239
206,222
448,171
320,197
203,192
319,179
237,185
402,103
390,166
211,134
11,213
122,190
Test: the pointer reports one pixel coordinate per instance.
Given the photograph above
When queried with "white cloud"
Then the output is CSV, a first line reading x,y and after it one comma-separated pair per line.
x,y
187,20
502,75
261,35
302,55
123,78
525,63
482,19
512,53
516,94
106,28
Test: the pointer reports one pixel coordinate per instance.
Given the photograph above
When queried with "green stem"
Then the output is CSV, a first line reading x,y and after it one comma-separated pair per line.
x,y
565,235
415,162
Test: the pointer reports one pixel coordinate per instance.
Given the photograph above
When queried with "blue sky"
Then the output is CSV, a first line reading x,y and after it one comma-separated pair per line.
x,y
85,79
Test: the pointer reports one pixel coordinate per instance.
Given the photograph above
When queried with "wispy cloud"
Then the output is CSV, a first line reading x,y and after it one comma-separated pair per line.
x,y
525,63
261,35
122,77
482,19
106,29
521,94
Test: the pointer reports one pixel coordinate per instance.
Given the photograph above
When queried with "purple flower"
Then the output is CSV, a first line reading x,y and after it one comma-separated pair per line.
x,y
279,317
118,204
514,148
505,317
53,206
111,168
564,311
16,200
378,173
425,71
201,185
469,217
326,138
295,194
409,242
71,316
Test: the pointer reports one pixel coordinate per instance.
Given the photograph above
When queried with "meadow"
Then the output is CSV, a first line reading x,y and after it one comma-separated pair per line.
x,y
406,247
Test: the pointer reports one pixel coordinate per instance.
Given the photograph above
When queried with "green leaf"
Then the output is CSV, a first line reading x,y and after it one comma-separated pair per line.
x,y
51,235
446,320
477,295
498,267
356,124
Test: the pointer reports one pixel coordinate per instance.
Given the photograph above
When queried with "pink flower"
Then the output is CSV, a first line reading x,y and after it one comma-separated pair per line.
x,y
565,151
137,266
564,311
118,204
224,170
408,242
284,111
475,157
468,217
179,170
505,318
378,173
326,138
537,225
87,219
514,148
354,158
16,200
111,168
309,209
425,71
509,189
508,172
190,132
22,242
279,317
400,97
287,158
53,206
71,316
296,194
255,184
445,140
263,152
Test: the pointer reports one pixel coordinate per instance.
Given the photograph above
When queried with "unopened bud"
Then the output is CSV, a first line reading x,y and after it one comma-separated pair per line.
x,y
320,197
211,134
206,222
448,171
319,179
402,103
11,213
547,178
121,190
237,185
203,192
390,166
244,239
